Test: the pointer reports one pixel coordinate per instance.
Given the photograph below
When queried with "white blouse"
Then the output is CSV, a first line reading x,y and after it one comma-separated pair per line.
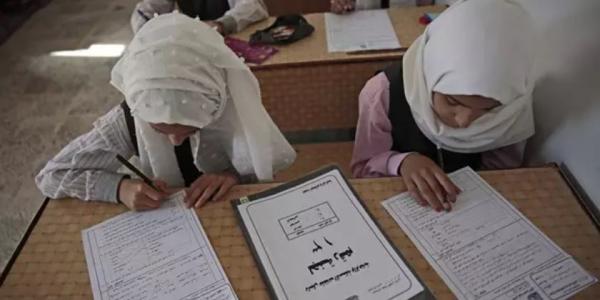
x,y
87,167
241,13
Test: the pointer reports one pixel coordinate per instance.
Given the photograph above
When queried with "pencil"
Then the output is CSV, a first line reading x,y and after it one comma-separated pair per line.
x,y
136,171
143,15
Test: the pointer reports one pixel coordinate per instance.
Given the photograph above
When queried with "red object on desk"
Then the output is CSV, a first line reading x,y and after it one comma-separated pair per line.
x,y
255,54
424,20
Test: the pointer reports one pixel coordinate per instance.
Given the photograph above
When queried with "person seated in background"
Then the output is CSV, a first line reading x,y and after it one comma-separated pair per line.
x,y
461,97
192,116
346,6
226,16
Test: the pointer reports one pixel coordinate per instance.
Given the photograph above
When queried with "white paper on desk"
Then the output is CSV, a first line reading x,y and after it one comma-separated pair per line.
x,y
316,241
360,31
158,254
485,248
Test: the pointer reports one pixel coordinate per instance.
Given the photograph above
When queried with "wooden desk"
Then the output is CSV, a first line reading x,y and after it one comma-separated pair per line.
x,y
52,264
306,88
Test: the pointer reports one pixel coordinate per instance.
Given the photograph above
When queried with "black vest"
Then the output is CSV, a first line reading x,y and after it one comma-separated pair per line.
x,y
205,9
406,133
183,152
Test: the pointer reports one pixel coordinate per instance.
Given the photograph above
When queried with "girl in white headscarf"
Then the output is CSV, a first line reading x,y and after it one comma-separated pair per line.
x,y
461,97
192,114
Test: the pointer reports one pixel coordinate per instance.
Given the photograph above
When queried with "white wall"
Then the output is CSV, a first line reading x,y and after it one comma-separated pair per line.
x,y
567,95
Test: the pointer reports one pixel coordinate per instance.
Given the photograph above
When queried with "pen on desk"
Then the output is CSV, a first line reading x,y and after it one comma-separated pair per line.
x,y
136,171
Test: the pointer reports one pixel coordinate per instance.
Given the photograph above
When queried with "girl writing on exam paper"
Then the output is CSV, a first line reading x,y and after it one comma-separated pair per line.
x,y
192,115
461,97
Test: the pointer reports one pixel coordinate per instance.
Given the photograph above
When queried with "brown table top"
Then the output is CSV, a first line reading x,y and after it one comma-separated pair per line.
x,y
52,264
313,49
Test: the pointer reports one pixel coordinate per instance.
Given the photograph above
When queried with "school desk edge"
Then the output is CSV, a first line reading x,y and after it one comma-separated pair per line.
x,y
583,200
23,240
392,56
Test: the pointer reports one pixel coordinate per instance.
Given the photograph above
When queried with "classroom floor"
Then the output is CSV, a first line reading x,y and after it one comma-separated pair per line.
x,y
45,101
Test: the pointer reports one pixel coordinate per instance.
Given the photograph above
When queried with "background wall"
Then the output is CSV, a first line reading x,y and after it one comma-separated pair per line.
x,y
567,96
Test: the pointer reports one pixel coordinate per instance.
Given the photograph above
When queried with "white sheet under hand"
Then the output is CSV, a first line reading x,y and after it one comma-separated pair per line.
x,y
485,248
159,254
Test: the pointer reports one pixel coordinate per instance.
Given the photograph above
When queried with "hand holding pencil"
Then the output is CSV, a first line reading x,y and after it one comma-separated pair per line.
x,y
139,195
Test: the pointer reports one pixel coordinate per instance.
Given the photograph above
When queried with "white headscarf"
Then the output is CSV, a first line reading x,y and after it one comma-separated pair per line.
x,y
476,47
179,71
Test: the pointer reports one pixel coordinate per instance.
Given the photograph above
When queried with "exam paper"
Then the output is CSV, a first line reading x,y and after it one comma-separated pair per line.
x,y
485,248
316,241
159,254
360,31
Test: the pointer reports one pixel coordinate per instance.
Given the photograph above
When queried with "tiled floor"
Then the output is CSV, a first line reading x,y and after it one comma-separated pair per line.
x,y
45,101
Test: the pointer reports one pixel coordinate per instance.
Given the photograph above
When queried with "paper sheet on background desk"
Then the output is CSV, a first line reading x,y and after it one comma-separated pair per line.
x,y
159,254
360,31
485,248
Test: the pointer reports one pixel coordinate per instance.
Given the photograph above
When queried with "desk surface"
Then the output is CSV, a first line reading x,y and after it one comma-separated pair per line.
x,y
52,263
313,49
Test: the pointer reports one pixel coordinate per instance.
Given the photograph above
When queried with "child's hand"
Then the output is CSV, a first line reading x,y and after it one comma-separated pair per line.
x,y
138,196
209,187
427,182
342,6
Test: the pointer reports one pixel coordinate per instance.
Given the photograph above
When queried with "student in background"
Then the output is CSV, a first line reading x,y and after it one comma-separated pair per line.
x,y
226,16
461,97
192,115
345,6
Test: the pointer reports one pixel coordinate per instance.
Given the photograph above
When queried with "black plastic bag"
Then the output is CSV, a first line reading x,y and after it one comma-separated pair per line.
x,y
285,30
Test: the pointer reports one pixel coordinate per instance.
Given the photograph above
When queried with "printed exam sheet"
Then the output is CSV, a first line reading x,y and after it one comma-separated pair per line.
x,y
360,31
159,254
315,240
485,248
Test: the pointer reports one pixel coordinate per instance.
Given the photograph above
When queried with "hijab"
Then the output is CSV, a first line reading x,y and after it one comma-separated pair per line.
x,y
476,47
177,70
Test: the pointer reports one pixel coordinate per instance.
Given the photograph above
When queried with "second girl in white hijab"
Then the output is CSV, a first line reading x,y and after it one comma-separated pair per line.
x,y
461,97
192,115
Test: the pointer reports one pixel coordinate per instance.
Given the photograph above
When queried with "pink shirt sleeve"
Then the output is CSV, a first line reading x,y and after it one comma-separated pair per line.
x,y
372,156
507,157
